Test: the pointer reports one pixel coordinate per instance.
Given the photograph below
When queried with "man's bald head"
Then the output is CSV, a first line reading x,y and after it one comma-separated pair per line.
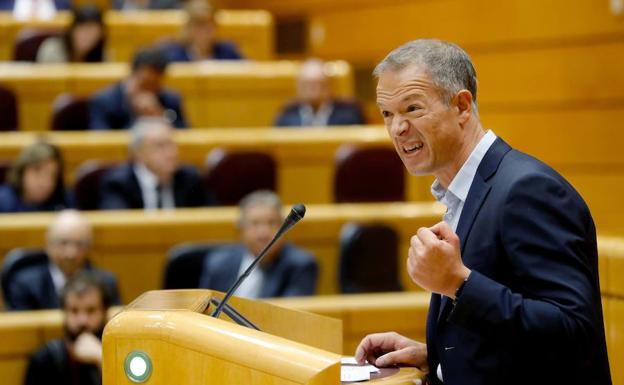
x,y
69,240
313,84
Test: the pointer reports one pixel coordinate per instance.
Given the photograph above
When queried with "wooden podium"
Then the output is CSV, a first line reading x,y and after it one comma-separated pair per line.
x,y
167,337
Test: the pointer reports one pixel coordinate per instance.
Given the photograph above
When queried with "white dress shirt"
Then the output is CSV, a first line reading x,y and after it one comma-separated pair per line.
x,y
34,9
455,196
251,287
148,182
320,118
58,278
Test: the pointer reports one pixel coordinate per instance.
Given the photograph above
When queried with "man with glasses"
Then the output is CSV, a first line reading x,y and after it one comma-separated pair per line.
x,y
68,242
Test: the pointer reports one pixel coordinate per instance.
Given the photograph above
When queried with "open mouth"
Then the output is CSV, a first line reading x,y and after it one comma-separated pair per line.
x,y
413,148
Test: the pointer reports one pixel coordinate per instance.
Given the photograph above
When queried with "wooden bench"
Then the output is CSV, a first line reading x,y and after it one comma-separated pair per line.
x,y
589,157
251,30
215,94
134,244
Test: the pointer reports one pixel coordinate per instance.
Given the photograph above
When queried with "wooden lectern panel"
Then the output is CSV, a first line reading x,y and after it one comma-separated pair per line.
x,y
186,346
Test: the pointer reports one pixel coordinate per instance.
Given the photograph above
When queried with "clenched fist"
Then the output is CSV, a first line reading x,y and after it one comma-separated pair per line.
x,y
434,260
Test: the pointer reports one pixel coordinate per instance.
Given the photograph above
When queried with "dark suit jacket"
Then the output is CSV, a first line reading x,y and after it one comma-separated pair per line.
x,y
52,365
221,50
32,288
11,202
120,189
530,312
343,113
110,109
294,272
153,4
8,5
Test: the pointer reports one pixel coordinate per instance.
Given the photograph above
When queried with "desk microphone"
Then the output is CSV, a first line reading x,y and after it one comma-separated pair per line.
x,y
296,214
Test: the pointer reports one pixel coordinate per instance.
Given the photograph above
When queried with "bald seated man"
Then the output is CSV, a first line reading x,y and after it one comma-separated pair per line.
x,y
315,105
154,179
68,243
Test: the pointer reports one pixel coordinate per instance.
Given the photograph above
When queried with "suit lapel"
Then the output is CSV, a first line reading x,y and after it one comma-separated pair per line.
x,y
479,190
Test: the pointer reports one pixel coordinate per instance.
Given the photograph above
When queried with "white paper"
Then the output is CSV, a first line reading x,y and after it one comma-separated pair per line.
x,y
351,371
354,373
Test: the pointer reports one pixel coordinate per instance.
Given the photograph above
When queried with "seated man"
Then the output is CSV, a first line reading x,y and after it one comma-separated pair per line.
x,y
285,271
77,357
140,94
69,240
154,178
315,105
198,37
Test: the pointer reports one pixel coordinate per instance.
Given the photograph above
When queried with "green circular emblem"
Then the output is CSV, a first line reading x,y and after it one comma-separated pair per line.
x,y
138,366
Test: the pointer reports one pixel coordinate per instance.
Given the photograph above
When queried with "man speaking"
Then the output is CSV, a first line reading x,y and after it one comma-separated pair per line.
x,y
513,268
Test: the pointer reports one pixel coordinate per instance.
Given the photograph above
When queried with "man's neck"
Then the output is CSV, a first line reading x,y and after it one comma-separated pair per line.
x,y
446,176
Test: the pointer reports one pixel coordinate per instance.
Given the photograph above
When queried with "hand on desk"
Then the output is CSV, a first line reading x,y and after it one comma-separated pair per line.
x,y
387,349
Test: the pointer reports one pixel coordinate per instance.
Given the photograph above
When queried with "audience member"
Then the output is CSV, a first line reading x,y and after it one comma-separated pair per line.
x,y
198,37
35,181
139,95
133,5
77,357
285,271
34,9
315,105
153,179
68,243
83,41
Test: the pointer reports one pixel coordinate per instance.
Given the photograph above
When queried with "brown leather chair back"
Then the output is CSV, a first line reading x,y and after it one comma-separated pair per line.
x,y
230,175
368,174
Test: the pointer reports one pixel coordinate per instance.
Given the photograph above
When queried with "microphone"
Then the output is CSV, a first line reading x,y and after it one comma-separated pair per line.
x,y
296,214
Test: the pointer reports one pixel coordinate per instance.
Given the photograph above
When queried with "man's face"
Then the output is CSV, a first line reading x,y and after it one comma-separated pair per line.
x,y
202,31
68,245
84,312
425,131
258,226
148,79
313,86
159,152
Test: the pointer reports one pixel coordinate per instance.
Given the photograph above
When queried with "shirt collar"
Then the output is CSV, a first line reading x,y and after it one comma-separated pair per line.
x,y
460,185
146,178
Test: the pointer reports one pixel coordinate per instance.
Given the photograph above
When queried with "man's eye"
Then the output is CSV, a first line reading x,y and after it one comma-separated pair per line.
x,y
413,108
385,114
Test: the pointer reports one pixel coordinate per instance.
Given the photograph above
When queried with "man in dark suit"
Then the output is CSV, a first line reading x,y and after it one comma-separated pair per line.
x,y
77,357
69,240
199,40
285,271
513,266
315,106
154,179
141,94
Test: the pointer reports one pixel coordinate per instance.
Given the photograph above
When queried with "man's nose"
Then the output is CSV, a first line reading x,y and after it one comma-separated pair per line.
x,y
399,126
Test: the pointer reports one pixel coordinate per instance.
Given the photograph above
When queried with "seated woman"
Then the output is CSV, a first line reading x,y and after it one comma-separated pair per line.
x,y
198,37
83,41
35,181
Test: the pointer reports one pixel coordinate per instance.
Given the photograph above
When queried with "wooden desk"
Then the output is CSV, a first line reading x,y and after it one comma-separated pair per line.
x,y
134,244
306,158
252,31
22,333
215,94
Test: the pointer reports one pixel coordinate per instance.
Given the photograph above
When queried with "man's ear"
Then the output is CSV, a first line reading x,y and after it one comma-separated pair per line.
x,y
463,101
